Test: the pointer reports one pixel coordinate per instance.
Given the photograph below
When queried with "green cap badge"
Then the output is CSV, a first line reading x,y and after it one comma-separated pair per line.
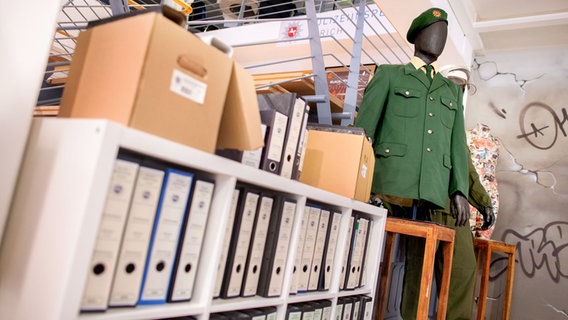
x,y
425,19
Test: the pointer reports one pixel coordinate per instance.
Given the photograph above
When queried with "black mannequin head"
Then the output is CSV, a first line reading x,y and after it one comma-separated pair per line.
x,y
430,41
428,33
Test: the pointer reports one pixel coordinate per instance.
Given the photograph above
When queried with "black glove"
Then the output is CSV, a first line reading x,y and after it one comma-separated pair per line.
x,y
488,218
459,207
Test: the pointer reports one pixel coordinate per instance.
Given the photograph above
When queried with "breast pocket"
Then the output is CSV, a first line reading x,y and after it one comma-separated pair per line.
x,y
407,102
448,112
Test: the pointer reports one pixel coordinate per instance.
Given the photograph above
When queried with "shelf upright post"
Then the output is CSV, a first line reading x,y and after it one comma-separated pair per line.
x,y
350,101
26,37
318,66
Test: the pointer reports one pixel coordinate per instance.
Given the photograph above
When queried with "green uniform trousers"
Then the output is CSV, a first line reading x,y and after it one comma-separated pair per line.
x,y
462,278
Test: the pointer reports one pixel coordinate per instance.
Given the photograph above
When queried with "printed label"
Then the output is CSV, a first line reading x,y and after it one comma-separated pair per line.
x,y
188,87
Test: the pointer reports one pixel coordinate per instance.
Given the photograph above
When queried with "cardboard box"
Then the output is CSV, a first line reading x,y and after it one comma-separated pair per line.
x,y
149,73
240,124
339,162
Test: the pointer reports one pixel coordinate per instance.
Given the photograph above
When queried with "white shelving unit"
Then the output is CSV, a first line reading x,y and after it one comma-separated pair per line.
x,y
58,204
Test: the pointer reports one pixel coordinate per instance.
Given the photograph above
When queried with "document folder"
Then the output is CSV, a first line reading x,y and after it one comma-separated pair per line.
x,y
191,242
226,243
276,248
256,249
163,244
329,251
319,246
136,240
274,110
107,245
309,247
239,244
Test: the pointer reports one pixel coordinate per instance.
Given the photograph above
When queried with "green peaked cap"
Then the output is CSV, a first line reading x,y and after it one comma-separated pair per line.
x,y
425,19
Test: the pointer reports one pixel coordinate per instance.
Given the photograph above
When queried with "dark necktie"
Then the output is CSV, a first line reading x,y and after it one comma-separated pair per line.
x,y
429,69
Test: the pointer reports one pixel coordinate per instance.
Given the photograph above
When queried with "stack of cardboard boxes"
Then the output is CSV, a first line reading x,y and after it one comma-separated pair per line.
x,y
149,73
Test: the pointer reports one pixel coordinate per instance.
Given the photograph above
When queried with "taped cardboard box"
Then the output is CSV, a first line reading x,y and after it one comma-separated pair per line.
x,y
340,162
240,124
151,74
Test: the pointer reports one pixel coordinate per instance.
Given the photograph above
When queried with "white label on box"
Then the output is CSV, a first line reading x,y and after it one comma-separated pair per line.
x,y
188,87
363,171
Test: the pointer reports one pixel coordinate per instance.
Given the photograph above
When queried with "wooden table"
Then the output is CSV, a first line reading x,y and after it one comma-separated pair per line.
x,y
432,233
484,249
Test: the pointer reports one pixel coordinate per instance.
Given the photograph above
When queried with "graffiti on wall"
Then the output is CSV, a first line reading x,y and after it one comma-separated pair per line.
x,y
542,133
527,108
542,249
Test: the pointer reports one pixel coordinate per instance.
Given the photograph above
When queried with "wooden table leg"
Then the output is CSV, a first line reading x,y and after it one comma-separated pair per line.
x,y
385,274
483,288
448,251
426,280
432,233
509,286
478,253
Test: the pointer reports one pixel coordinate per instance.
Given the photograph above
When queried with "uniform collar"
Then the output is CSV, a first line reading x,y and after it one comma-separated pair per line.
x,y
419,63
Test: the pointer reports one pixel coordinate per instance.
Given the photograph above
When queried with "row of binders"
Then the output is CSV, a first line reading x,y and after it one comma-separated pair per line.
x,y
255,246
284,117
353,274
257,241
264,313
358,307
316,250
150,236
151,233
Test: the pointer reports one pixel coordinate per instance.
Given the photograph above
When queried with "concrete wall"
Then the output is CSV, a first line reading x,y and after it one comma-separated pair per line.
x,y
523,98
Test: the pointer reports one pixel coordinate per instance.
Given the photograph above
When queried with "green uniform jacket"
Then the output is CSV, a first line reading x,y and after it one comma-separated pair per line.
x,y
418,134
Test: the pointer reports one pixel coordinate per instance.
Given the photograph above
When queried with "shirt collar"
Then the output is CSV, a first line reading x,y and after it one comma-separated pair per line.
x,y
419,63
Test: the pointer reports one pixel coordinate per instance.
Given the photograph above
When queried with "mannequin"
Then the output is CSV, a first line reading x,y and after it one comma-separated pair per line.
x,y
419,134
415,118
